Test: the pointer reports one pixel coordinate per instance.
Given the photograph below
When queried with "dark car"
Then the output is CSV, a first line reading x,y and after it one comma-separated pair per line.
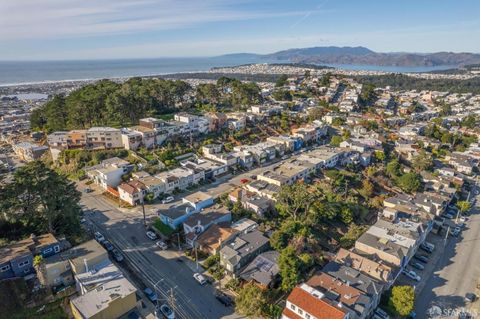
x,y
422,258
117,255
224,299
151,295
108,246
470,297
418,266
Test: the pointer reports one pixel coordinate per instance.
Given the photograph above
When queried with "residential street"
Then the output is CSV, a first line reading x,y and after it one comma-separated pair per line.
x,y
157,268
456,274
124,228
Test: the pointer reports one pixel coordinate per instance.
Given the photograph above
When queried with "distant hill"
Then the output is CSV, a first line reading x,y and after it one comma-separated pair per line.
x,y
364,56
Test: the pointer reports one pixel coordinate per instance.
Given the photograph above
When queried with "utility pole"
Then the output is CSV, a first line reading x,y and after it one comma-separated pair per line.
x,y
446,236
171,301
196,255
143,210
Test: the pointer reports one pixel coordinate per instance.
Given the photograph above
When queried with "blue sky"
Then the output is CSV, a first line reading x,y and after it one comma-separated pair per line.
x,y
102,29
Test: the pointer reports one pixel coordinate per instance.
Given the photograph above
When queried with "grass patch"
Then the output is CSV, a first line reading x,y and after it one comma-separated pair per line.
x,y
51,311
162,228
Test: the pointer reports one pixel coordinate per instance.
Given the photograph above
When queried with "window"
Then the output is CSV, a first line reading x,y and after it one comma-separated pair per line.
x,y
307,316
293,307
47,251
300,311
5,268
23,264
56,249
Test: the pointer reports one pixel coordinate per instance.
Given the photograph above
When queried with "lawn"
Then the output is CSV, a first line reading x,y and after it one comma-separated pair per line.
x,y
162,228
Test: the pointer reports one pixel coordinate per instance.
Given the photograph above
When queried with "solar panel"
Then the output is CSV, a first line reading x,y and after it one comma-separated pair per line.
x,y
263,264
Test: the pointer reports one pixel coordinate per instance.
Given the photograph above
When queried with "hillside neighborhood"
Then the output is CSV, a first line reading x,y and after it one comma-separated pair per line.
x,y
316,195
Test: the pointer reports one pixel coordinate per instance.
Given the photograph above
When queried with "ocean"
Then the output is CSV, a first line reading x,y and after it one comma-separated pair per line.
x,y
27,72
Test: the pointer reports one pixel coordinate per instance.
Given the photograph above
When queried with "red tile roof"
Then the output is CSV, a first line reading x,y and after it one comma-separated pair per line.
x,y
316,307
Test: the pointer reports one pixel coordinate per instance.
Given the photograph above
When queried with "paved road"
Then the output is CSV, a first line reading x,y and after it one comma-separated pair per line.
x,y
457,272
157,268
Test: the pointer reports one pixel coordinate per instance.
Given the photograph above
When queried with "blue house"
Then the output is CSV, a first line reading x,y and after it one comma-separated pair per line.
x,y
16,260
192,204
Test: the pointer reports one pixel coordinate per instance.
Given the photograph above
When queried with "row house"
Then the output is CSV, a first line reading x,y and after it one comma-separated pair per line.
x,y
109,172
132,192
197,224
305,302
180,178
192,204
311,133
16,259
28,152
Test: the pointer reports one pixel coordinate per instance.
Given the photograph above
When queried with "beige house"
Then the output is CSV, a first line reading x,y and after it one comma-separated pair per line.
x,y
86,256
108,301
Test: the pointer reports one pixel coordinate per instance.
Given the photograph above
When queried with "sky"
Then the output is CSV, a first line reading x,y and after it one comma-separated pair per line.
x,y
113,29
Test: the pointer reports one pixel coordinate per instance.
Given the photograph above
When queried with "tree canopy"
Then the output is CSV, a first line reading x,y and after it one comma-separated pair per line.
x,y
402,300
39,200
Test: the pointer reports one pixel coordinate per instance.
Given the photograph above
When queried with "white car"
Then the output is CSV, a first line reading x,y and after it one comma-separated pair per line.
x,y
99,237
162,245
463,219
198,277
151,235
169,199
411,274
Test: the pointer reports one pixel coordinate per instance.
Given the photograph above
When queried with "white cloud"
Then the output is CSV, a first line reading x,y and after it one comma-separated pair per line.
x,y
35,19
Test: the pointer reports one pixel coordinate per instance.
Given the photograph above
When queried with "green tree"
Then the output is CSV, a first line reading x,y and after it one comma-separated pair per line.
x,y
282,95
37,260
282,80
422,161
289,265
336,140
250,301
41,200
463,206
402,300
393,168
294,201
379,155
409,182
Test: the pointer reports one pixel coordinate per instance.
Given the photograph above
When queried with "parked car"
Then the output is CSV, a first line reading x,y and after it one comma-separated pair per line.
x,y
108,246
381,313
99,237
464,315
428,247
133,315
463,219
223,298
167,200
448,215
167,311
422,258
418,266
455,231
117,255
151,295
88,190
162,245
198,277
411,274
151,235
470,297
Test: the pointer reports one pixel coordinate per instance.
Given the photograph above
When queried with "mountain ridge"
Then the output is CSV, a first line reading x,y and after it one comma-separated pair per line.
x,y
363,56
